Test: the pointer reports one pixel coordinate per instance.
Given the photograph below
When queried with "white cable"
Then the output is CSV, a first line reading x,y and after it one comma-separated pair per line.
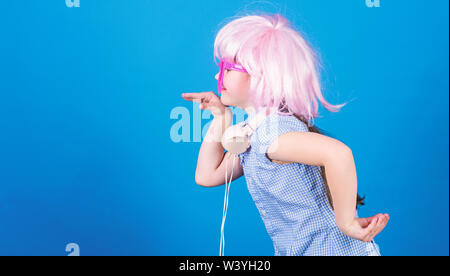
x,y
225,204
222,238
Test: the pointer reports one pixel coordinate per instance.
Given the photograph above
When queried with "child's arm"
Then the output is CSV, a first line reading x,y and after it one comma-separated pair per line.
x,y
319,150
211,166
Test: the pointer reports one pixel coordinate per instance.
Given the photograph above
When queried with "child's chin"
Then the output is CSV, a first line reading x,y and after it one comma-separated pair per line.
x,y
225,100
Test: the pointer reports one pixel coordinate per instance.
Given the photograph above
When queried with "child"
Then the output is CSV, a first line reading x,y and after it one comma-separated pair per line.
x,y
303,183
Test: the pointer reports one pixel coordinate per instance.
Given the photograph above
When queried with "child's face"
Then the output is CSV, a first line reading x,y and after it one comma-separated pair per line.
x,y
235,88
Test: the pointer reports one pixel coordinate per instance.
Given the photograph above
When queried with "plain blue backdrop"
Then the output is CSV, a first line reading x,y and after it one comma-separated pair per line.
x,y
86,94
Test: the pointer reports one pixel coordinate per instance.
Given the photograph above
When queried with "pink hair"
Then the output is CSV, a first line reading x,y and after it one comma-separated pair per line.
x,y
282,66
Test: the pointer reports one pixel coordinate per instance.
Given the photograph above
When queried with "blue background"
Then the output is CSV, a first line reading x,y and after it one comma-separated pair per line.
x,y
85,100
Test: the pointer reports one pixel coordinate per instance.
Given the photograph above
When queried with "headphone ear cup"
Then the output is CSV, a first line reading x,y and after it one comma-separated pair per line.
x,y
235,139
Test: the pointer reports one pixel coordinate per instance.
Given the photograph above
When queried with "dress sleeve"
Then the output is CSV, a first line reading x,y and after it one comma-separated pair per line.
x,y
242,155
272,128
241,158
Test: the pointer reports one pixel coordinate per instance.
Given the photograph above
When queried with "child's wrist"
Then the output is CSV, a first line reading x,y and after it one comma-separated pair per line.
x,y
224,112
221,121
225,117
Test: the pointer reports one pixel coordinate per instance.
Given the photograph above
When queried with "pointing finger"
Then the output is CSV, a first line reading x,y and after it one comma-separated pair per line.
x,y
195,95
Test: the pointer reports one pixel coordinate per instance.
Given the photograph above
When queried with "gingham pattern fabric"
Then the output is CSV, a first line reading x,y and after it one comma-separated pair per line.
x,y
291,198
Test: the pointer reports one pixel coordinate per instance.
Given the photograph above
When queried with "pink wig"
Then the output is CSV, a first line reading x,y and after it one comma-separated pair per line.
x,y
282,66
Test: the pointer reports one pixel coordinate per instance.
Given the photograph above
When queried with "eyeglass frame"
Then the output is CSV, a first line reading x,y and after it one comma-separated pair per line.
x,y
224,64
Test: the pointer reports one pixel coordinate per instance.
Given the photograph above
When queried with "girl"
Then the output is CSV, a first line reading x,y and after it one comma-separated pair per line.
x,y
303,183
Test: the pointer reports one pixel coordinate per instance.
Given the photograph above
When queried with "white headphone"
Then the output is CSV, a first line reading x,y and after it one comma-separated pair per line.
x,y
236,140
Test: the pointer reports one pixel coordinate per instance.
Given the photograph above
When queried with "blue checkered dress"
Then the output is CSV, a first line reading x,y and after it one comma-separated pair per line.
x,y
292,200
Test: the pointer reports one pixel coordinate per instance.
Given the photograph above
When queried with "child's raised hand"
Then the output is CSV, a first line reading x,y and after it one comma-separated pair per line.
x,y
207,100
365,229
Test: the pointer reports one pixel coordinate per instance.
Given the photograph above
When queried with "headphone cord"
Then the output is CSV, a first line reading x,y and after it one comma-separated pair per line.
x,y
225,203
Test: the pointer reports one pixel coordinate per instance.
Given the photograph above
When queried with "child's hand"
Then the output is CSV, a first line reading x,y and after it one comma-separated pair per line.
x,y
365,229
207,100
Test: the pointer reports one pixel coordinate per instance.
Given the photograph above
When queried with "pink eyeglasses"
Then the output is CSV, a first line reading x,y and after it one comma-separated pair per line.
x,y
226,65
